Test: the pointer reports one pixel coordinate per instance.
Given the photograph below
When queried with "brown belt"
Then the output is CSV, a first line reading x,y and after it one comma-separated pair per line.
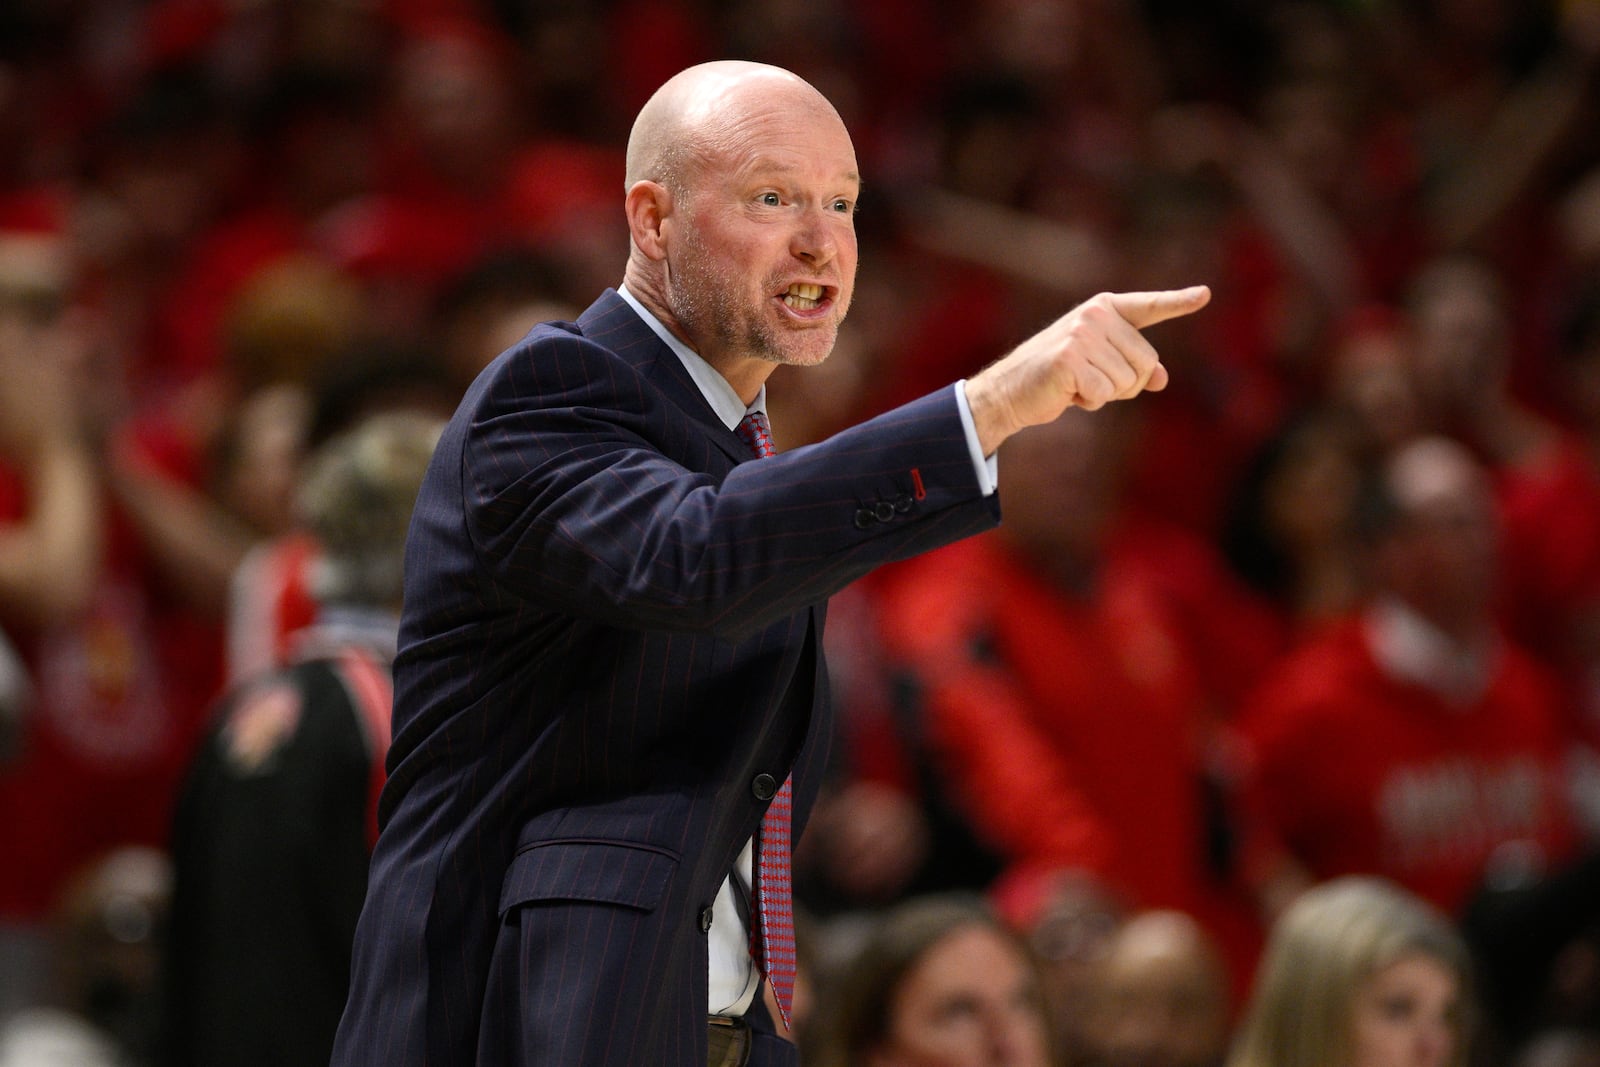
x,y
729,1042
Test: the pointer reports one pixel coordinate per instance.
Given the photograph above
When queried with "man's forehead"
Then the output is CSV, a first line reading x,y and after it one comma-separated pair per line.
x,y
767,164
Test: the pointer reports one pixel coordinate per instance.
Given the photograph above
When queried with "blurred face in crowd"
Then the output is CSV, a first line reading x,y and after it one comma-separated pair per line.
x,y
1407,1015
1310,491
1461,337
1162,996
754,260
49,382
1071,938
1372,379
261,469
454,106
970,1001
1441,558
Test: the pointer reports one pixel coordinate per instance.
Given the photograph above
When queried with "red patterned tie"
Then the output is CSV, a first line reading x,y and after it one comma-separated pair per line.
x,y
772,944
755,431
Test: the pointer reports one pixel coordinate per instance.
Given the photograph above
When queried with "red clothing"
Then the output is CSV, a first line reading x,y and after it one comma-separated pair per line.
x,y
120,696
222,263
1550,521
1069,728
1359,772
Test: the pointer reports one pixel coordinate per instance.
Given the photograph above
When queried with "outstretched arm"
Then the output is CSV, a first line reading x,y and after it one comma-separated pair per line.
x,y
1090,356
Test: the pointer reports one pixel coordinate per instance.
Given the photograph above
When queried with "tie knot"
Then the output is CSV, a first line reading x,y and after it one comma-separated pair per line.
x,y
756,433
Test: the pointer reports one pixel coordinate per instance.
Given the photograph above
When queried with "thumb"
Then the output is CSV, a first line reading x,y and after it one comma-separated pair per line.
x,y
1147,309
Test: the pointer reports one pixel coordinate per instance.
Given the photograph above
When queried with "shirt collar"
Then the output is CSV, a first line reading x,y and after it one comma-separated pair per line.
x,y
712,385
1409,647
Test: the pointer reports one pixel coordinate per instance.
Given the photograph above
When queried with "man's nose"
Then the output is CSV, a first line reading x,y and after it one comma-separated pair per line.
x,y
814,239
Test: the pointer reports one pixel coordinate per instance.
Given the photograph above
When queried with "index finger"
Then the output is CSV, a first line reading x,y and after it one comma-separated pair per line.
x,y
1147,309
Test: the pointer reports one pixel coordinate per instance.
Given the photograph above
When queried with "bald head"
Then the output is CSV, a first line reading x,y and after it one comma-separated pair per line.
x,y
1432,471
741,190
701,109
1162,995
1168,942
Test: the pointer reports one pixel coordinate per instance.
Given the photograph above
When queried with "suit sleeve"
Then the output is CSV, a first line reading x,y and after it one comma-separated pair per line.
x,y
588,492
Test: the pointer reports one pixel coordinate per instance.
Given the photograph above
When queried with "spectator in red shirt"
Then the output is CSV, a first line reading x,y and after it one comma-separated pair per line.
x,y
1412,739
117,679
1546,485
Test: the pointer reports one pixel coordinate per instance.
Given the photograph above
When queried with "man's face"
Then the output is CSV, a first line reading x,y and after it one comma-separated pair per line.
x,y
763,257
1460,350
1442,557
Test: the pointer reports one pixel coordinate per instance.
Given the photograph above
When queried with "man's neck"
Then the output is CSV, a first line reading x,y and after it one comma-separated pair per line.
x,y
724,399
746,376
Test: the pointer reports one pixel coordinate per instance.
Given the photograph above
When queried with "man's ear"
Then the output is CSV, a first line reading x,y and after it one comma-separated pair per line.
x,y
649,206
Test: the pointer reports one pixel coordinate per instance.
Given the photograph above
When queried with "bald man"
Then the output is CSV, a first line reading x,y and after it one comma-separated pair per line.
x,y
610,662
1159,998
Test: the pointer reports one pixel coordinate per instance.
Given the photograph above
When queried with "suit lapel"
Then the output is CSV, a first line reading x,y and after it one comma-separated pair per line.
x,y
612,322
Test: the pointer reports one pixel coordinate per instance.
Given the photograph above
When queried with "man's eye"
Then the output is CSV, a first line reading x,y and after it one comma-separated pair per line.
x,y
771,199
842,206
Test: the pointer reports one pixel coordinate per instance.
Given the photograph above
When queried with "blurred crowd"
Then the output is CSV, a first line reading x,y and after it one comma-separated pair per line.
x,y
1324,614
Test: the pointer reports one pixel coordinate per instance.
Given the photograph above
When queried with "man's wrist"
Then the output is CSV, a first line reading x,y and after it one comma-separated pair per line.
x,y
984,464
992,417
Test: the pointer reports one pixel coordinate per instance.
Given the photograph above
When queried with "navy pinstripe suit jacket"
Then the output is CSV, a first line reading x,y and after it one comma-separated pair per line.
x,y
611,628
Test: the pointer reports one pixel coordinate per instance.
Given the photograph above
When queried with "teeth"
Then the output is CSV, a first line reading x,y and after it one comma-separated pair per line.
x,y
803,296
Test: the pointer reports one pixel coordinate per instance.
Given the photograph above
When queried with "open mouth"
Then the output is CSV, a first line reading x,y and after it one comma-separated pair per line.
x,y
803,296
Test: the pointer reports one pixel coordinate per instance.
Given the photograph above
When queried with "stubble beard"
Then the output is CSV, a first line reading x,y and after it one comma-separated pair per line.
x,y
705,300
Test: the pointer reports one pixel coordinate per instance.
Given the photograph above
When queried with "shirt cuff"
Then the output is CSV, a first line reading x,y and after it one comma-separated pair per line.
x,y
987,468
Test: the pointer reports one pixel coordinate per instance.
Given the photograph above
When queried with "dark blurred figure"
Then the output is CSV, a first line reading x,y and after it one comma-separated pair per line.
x,y
1537,943
1580,654
158,172
494,302
1290,533
1072,931
311,148
277,817
1291,523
